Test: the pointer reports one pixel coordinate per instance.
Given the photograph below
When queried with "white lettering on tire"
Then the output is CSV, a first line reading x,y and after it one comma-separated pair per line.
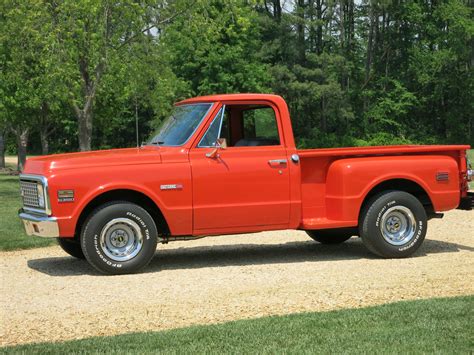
x,y
103,258
413,242
384,208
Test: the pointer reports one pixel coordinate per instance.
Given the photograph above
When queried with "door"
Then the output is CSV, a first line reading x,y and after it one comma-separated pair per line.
x,y
245,186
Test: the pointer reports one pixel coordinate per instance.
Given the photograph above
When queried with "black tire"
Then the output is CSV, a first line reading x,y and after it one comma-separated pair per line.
x,y
129,223
330,236
375,224
72,247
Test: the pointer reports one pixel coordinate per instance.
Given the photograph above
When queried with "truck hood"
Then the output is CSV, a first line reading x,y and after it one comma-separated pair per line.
x,y
48,164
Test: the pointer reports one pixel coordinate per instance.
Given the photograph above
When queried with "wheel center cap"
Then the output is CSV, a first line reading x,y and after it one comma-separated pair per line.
x,y
119,239
393,225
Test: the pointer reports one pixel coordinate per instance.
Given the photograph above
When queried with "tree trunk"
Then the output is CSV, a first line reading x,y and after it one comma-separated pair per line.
x,y
319,27
351,25
300,10
85,130
368,61
44,135
44,128
350,36
2,149
342,25
22,144
84,116
370,45
277,10
84,120
311,30
324,122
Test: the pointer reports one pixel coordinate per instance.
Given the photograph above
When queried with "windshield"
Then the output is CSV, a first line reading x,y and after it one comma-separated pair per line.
x,y
181,124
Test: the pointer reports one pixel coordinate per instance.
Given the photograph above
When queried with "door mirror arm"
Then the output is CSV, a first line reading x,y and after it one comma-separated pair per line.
x,y
221,143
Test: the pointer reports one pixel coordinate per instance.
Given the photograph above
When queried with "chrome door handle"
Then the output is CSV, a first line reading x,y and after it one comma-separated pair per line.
x,y
277,162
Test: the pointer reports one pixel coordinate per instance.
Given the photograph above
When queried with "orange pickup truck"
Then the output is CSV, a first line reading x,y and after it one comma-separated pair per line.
x,y
228,164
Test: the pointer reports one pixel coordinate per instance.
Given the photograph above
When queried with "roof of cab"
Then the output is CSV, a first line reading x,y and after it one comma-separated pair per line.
x,y
230,97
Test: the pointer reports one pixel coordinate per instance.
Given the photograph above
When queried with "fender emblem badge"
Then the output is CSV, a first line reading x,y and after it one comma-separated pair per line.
x,y
65,195
171,187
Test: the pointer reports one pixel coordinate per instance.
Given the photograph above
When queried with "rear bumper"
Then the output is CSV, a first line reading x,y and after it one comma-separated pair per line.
x,y
467,203
39,225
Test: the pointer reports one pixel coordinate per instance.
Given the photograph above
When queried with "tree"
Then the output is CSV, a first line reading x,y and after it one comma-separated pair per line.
x,y
353,72
31,84
139,86
92,34
215,49
18,67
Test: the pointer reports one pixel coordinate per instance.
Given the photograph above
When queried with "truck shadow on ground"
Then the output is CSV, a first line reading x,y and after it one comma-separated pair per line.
x,y
240,255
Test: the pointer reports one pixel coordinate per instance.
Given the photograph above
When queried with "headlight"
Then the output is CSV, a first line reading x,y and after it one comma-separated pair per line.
x,y
40,188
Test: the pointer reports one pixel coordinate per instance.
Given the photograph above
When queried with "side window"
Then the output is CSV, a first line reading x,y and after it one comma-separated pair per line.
x,y
260,125
219,128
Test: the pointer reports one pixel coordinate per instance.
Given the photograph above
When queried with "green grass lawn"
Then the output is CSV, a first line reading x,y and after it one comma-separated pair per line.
x,y
9,165
426,326
12,234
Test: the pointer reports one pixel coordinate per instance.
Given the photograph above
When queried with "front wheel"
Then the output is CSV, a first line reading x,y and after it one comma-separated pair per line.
x,y
393,224
72,247
119,238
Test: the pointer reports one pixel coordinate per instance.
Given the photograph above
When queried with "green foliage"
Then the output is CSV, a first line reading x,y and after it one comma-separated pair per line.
x,y
214,48
321,112
29,76
412,327
353,73
388,115
139,82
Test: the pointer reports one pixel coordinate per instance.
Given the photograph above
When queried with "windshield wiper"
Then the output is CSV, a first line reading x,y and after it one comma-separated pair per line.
x,y
158,142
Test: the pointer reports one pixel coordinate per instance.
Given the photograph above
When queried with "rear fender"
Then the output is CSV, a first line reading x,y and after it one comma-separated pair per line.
x,y
349,181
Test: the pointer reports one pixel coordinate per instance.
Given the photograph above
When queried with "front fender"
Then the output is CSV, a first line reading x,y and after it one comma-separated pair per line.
x,y
175,205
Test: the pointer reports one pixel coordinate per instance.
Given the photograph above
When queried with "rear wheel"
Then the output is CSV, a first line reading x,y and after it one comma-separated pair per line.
x,y
393,224
72,247
330,236
119,238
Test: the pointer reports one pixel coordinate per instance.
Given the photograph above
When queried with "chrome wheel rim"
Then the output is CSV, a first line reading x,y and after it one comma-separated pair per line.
x,y
398,225
121,239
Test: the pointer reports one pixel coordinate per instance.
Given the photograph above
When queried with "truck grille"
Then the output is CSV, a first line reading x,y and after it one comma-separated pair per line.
x,y
29,194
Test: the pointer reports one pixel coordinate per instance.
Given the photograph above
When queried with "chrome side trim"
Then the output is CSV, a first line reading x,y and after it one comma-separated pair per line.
x,y
41,226
47,203
171,187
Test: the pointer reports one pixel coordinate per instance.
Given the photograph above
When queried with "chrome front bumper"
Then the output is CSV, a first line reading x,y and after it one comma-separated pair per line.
x,y
41,226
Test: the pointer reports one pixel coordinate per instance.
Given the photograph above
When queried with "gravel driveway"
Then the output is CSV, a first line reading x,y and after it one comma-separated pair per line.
x,y
48,296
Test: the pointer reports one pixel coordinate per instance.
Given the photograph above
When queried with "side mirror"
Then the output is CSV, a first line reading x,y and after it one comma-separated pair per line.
x,y
221,143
